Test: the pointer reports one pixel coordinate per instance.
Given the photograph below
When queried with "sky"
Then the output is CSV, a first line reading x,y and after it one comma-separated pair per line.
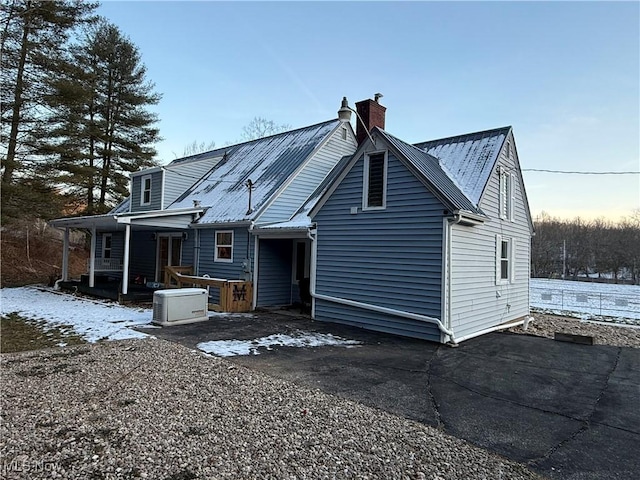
x,y
565,75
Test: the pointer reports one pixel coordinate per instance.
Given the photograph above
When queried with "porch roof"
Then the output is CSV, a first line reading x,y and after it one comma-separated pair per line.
x,y
178,218
106,222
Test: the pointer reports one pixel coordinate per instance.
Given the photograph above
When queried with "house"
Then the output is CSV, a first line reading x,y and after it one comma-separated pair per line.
x,y
207,210
430,240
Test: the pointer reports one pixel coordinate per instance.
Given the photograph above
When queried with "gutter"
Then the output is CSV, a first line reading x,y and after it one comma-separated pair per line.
x,y
367,306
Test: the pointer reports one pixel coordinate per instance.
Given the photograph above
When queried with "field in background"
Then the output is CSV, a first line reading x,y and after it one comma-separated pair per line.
x,y
599,301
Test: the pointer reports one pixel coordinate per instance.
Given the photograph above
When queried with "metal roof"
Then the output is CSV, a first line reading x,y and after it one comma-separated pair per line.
x,y
122,207
468,159
431,170
268,162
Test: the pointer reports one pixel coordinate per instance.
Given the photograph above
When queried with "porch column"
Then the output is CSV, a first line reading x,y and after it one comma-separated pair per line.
x,y
92,259
125,260
256,252
65,255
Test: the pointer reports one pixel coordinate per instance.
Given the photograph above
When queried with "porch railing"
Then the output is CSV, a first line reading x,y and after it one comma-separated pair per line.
x,y
235,295
106,264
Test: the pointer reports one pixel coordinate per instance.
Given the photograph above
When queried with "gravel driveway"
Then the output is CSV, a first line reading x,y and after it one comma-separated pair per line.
x,y
154,409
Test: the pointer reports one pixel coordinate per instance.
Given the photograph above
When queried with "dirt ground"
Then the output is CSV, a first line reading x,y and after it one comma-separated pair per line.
x,y
33,254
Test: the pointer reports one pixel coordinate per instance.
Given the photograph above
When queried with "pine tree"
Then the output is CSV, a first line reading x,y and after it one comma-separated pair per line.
x,y
103,128
33,33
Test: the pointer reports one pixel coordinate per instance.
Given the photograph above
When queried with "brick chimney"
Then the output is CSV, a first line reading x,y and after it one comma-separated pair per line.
x,y
372,114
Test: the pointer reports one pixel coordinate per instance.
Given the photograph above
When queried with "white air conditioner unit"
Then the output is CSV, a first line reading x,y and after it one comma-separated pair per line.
x,y
179,306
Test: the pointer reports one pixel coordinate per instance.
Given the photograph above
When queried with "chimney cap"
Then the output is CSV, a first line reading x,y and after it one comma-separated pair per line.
x,y
344,113
377,96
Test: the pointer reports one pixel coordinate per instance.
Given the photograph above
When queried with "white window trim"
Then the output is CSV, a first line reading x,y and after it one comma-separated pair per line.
x,y
511,258
142,189
512,196
104,244
507,194
215,248
365,182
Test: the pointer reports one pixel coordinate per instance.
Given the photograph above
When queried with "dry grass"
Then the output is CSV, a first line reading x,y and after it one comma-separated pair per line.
x,y
32,254
18,334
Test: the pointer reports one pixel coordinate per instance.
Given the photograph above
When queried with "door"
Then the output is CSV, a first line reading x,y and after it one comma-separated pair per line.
x,y
169,253
300,274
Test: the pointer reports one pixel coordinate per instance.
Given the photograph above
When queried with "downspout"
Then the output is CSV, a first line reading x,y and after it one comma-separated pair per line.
x,y
450,223
368,306
125,260
196,251
256,250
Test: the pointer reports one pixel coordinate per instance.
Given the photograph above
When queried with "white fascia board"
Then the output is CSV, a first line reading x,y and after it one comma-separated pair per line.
x,y
128,217
146,171
221,225
291,232
102,221
297,172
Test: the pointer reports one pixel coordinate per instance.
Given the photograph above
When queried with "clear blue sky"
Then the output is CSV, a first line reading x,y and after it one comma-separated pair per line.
x,y
566,76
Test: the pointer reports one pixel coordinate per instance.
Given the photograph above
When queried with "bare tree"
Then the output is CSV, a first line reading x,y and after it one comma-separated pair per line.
x,y
198,147
260,127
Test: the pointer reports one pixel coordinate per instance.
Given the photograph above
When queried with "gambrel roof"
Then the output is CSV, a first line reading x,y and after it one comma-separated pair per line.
x,y
268,162
468,159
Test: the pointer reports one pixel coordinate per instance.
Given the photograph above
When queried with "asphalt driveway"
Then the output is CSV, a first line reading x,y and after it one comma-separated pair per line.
x,y
568,411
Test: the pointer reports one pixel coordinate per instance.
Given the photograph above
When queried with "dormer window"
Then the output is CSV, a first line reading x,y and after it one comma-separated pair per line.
x,y
375,181
145,197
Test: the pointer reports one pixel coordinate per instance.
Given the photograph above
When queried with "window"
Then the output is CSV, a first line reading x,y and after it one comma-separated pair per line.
x,y
505,260
375,181
106,245
145,198
507,194
224,246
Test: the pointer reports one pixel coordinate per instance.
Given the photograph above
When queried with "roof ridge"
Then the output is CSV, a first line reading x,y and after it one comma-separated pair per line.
x,y
235,145
481,132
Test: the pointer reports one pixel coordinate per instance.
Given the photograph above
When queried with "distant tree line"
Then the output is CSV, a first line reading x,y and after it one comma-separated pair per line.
x,y
577,249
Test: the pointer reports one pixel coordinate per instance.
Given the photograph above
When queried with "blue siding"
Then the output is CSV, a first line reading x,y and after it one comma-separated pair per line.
x,y
117,244
274,270
142,255
242,248
156,192
357,317
390,258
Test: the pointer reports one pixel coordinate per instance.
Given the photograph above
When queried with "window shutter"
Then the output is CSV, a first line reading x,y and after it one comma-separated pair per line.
x,y
498,257
503,193
512,200
512,261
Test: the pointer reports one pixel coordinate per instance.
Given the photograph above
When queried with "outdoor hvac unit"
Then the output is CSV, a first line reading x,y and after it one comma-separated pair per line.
x,y
180,305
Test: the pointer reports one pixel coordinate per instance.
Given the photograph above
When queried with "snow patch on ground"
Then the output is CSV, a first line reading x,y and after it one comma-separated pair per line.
x,y
230,348
609,303
92,319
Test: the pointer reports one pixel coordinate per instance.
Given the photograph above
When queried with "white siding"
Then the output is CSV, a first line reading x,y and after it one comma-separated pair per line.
x,y
309,177
476,301
178,178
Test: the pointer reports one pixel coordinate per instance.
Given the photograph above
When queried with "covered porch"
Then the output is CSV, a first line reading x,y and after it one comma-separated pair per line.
x,y
283,267
128,252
